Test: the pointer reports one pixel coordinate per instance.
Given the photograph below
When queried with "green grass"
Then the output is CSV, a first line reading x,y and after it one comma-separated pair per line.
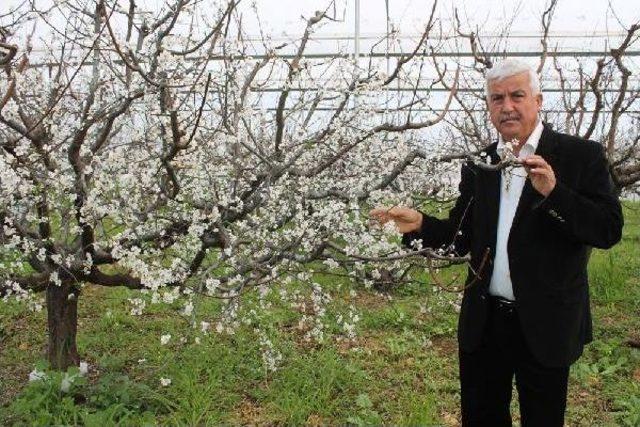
x,y
401,369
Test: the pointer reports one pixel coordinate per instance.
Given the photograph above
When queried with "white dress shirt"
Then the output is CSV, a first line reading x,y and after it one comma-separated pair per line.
x,y
511,185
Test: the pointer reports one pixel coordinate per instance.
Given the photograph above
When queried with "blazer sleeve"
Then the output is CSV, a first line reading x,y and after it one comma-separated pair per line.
x,y
454,232
590,212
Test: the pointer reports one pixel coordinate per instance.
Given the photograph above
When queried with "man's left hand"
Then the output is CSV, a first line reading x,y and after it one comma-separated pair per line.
x,y
540,173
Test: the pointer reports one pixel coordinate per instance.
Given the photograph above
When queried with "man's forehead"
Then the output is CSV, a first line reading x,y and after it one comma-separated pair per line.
x,y
512,89
518,82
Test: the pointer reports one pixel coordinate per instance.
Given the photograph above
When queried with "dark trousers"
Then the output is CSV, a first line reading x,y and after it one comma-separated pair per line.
x,y
486,377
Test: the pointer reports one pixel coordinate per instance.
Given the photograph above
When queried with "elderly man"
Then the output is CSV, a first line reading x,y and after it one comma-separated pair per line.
x,y
527,315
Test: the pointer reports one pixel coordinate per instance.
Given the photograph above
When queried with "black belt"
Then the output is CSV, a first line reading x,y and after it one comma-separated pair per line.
x,y
502,304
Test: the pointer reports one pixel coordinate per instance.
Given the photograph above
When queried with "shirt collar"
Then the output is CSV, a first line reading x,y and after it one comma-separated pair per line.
x,y
529,147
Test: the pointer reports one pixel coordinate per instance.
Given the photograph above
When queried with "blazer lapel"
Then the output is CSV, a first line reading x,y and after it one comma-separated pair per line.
x,y
491,185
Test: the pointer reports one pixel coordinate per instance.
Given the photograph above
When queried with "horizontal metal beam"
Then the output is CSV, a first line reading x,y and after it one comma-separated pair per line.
x,y
451,36
523,54
436,89
454,110
378,55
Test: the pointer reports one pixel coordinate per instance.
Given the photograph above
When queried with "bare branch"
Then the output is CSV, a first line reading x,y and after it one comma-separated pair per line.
x,y
547,16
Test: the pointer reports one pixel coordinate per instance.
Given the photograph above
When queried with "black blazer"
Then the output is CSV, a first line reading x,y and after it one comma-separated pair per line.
x,y
548,245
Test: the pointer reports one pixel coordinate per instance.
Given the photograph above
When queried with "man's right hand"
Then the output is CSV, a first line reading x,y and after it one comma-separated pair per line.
x,y
407,220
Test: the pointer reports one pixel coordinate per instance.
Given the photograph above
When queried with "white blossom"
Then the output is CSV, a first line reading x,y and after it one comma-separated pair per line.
x,y
66,382
138,305
36,375
205,326
84,368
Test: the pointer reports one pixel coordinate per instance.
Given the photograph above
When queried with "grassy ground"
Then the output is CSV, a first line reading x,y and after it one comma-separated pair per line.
x,y
400,369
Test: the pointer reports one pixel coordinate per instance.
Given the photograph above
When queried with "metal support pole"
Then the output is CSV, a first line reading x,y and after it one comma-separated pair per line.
x,y
357,33
356,48
386,5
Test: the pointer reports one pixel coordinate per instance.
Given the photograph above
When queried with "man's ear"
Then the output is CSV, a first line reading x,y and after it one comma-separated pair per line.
x,y
539,101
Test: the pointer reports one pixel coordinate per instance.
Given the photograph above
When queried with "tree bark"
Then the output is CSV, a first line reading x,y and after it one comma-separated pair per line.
x,y
62,320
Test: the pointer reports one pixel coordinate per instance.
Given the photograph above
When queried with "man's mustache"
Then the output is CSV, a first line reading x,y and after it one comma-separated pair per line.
x,y
505,118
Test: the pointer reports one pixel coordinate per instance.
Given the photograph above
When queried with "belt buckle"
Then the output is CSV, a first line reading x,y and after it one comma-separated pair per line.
x,y
504,303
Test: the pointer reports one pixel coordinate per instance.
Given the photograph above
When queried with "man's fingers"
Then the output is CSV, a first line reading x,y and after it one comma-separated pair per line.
x,y
537,165
405,219
395,213
380,214
535,161
539,171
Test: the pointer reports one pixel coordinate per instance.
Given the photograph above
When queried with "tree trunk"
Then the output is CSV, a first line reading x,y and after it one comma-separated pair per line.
x,y
62,314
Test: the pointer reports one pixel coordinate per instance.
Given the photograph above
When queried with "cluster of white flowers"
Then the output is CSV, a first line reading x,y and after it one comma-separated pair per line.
x,y
170,296
271,357
229,322
137,306
314,322
211,285
204,327
55,279
13,291
187,310
37,375
349,322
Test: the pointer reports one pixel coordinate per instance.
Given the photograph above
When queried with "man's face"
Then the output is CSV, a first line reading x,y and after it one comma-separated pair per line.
x,y
513,107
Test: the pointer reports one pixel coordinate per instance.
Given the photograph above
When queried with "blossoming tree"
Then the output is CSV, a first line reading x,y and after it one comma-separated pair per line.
x,y
143,150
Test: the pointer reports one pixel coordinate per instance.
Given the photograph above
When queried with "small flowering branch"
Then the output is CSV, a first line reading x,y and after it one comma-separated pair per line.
x,y
36,282
400,167
428,253
502,164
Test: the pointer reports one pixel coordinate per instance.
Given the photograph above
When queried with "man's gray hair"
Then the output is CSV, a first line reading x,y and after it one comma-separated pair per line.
x,y
511,67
